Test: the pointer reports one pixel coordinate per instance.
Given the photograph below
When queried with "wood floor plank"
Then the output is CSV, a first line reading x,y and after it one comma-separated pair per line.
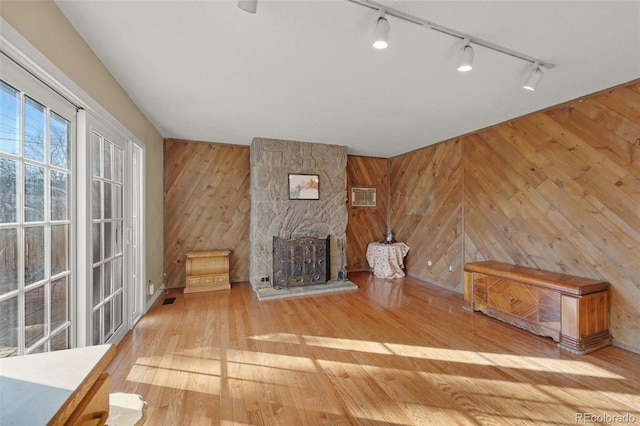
x,y
394,352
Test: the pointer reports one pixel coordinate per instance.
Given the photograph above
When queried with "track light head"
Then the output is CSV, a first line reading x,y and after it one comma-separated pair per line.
x,y
534,78
381,30
248,5
466,57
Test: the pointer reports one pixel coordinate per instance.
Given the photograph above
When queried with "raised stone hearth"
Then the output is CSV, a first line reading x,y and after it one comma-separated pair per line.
x,y
306,290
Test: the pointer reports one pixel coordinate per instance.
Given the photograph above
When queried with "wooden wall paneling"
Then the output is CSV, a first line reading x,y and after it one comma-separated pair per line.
x,y
553,250
500,173
481,234
623,312
572,200
576,199
489,173
617,153
521,170
618,208
366,224
545,247
412,179
426,211
613,121
571,144
206,205
485,223
622,100
620,158
558,177
527,138
583,221
443,226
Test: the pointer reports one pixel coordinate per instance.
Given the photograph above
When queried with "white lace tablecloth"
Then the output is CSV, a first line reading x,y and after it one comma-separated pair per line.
x,y
387,260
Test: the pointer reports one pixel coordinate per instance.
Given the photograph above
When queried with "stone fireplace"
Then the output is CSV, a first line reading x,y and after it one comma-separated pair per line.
x,y
273,214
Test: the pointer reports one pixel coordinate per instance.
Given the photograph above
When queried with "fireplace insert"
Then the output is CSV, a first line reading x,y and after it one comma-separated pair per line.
x,y
301,261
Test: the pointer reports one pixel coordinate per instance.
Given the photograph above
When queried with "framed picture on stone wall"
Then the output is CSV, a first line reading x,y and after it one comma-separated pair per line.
x,y
304,187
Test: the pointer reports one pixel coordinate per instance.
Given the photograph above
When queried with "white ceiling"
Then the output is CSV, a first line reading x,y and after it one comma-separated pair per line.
x,y
305,70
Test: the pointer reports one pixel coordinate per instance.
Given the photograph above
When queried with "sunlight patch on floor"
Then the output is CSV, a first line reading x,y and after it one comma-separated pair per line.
x,y
347,344
422,414
181,372
327,342
452,384
175,379
567,366
266,359
528,398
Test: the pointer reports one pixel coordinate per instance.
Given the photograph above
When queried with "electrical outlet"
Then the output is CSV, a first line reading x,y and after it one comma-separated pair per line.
x,y
429,263
152,288
450,268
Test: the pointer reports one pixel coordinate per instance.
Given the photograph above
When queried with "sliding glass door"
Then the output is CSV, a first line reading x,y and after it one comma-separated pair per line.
x,y
108,281
68,227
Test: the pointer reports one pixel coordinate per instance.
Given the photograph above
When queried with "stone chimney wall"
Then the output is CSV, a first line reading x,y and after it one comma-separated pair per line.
x,y
273,214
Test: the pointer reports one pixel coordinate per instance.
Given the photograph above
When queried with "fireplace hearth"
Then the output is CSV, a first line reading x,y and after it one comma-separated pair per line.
x,y
302,261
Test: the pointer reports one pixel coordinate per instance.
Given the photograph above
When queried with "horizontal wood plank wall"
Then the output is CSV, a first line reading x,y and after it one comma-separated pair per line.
x,y
206,205
426,211
560,190
366,224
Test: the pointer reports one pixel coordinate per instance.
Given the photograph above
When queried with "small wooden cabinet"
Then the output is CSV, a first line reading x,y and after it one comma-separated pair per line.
x,y
207,270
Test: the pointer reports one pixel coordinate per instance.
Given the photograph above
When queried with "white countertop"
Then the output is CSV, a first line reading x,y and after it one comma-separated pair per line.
x,y
33,388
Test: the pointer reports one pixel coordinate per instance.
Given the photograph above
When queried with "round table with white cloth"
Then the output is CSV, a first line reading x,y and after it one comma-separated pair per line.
x,y
387,260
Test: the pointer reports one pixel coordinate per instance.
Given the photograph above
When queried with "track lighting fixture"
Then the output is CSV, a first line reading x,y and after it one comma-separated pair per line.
x,y
466,57
381,30
534,77
248,5
381,40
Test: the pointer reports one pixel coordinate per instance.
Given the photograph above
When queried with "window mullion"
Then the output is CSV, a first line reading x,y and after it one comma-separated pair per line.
x,y
20,246
47,230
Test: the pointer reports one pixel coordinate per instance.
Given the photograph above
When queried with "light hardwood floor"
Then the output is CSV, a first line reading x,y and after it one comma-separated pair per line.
x,y
394,352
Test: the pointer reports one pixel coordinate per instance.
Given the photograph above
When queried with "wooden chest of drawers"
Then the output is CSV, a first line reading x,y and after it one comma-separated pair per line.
x,y
207,270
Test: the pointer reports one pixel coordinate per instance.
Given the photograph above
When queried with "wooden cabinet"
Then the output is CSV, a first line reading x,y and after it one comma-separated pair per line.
x,y
207,270
571,310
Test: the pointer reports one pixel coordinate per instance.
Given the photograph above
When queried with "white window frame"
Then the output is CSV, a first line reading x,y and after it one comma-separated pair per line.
x,y
14,76
14,45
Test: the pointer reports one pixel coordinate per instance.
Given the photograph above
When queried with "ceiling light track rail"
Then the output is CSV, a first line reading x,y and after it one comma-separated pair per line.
x,y
451,32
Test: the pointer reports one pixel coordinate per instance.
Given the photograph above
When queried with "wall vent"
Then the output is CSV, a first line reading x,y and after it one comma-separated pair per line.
x,y
363,197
